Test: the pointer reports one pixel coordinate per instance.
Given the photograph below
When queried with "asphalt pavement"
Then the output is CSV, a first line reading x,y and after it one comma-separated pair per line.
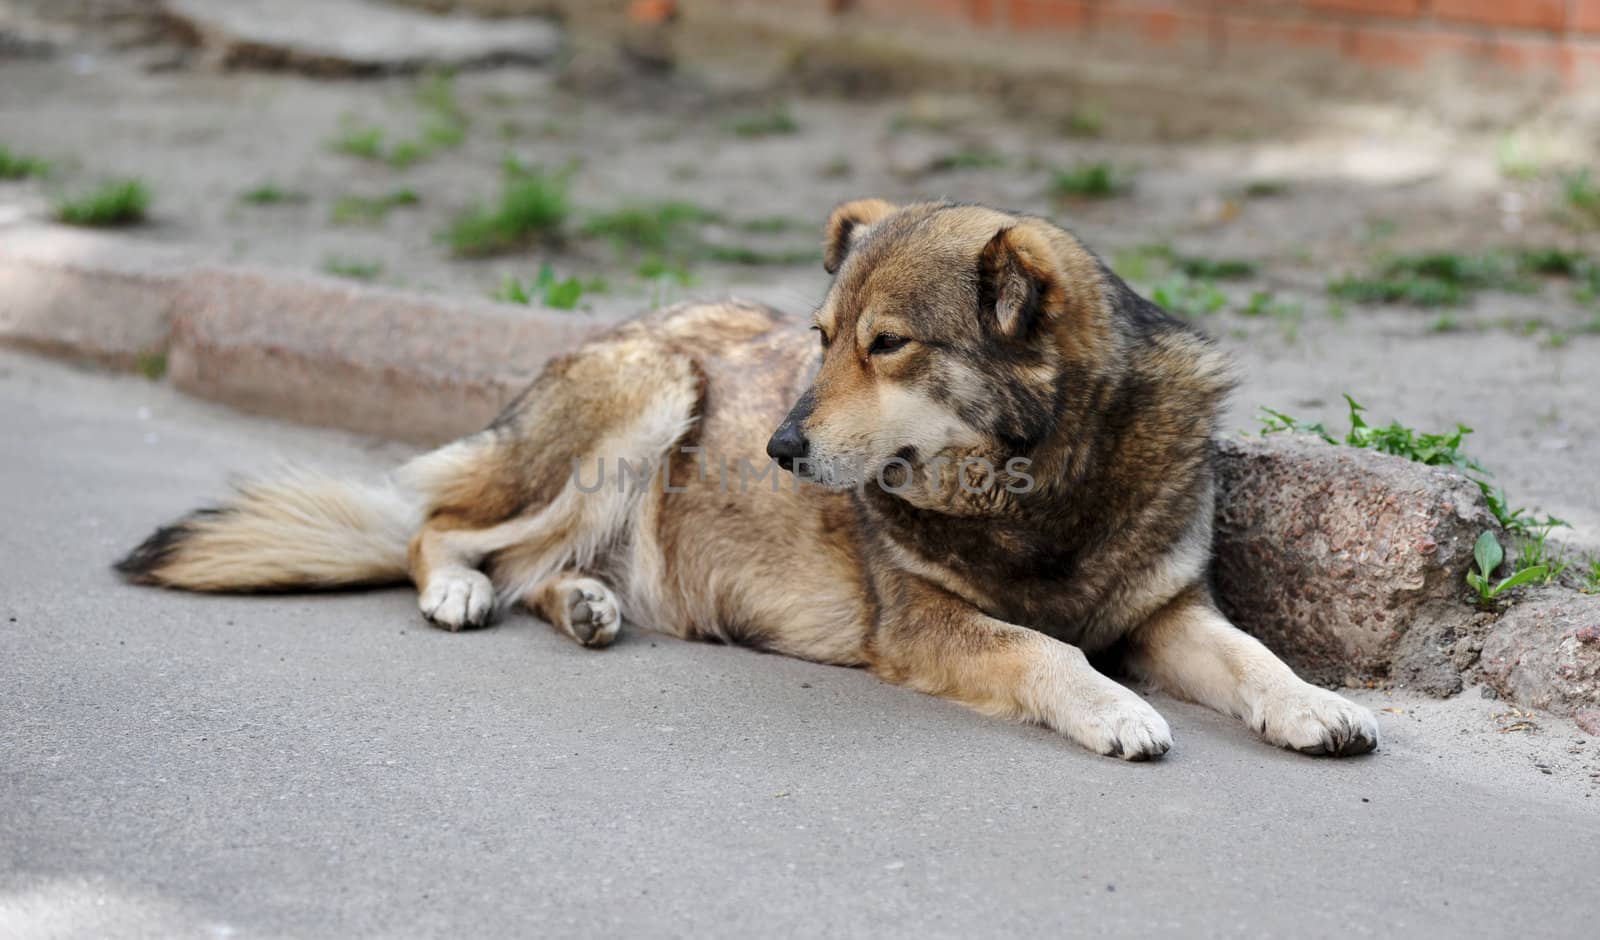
x,y
330,767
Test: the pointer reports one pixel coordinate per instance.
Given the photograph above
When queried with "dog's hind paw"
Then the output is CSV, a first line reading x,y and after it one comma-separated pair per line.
x,y
458,599
591,616
1121,725
1315,721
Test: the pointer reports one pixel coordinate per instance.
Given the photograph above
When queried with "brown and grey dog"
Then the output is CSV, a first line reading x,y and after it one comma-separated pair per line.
x,y
999,461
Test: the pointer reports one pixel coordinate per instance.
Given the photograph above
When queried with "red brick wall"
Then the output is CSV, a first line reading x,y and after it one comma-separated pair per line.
x,y
1556,37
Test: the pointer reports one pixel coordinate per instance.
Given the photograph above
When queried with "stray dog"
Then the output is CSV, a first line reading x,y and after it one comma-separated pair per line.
x,y
996,459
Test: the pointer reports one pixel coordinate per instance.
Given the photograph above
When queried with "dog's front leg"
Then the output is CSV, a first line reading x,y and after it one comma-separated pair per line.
x,y
935,642
1192,651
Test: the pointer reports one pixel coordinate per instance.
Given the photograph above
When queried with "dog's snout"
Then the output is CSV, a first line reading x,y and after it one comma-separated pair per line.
x,y
788,444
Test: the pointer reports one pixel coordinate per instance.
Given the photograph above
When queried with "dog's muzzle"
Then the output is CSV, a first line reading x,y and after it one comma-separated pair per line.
x,y
788,444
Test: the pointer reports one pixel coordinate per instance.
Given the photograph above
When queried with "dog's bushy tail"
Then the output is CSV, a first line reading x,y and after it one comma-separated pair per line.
x,y
300,531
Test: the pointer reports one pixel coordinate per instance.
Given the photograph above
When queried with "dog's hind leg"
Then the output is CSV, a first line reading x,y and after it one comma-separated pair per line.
x,y
510,508
1193,652
579,606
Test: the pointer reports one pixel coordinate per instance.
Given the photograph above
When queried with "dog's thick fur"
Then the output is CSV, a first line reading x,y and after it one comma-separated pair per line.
x,y
953,337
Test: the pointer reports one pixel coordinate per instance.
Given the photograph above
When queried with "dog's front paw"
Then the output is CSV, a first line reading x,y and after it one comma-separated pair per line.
x,y
1119,724
455,600
1316,721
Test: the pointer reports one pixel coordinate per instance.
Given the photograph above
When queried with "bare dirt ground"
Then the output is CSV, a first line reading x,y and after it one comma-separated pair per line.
x,y
1346,189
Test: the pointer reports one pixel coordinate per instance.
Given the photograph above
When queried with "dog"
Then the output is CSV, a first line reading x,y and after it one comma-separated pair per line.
x,y
992,460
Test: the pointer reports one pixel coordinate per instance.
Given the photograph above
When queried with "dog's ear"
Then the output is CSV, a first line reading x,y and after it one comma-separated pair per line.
x,y
1019,279
847,224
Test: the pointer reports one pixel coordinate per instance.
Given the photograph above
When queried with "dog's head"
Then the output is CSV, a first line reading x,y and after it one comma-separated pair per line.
x,y
945,334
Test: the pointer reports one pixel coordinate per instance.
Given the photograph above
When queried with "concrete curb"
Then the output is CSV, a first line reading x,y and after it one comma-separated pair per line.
x,y
1349,563
311,349
417,368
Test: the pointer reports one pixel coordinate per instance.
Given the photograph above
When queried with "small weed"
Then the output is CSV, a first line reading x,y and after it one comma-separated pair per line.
x,y
652,227
1418,292
972,158
370,210
444,127
1287,313
363,142
533,205
1099,180
768,123
1445,323
1590,576
271,194
837,169
1143,263
1554,262
1581,194
743,254
1488,555
16,166
1260,303
151,365
1516,159
1535,552
1446,279
1437,450
117,202
1265,189
356,270
1217,269
1188,297
1083,122
771,225
658,268
436,93
557,294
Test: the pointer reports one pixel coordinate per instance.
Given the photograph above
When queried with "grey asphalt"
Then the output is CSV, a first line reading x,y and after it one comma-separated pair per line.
x,y
328,766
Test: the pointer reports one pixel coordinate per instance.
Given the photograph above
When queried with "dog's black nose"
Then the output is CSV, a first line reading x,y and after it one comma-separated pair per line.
x,y
788,444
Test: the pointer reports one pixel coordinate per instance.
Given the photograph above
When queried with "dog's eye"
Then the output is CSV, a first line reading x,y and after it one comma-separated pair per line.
x,y
885,343
821,335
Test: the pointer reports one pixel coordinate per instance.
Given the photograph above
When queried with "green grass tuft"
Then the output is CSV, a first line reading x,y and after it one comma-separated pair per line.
x,y
1084,122
768,123
444,127
1099,180
744,254
1221,269
1446,279
151,365
533,205
836,169
116,202
547,289
1188,297
370,210
16,166
271,194
654,227
363,142
1582,195
351,268
771,225
1265,189
971,158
